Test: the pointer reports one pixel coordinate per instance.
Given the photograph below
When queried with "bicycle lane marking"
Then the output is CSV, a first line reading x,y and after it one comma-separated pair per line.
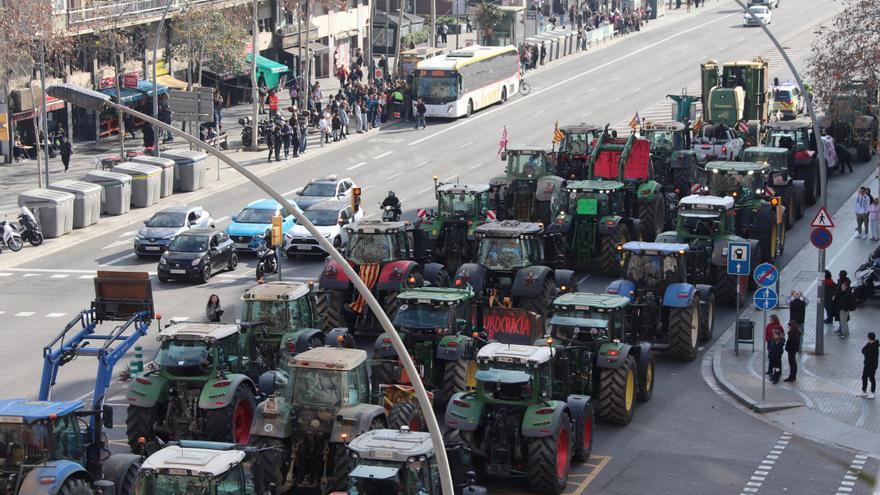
x,y
760,474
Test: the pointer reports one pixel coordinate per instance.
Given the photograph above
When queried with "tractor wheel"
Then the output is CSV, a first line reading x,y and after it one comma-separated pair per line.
x,y
391,304
707,319
271,464
233,422
646,380
799,208
540,304
139,424
383,373
768,243
684,331
336,479
725,289
671,201
790,211
405,414
550,459
459,376
610,262
617,389
583,441
653,217
128,481
331,306
75,486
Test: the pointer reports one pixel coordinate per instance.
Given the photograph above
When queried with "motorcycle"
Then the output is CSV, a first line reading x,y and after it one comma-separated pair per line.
x,y
9,237
247,131
27,227
866,282
267,261
389,214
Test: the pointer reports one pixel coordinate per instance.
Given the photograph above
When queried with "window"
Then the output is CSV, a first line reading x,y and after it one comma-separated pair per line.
x,y
232,483
67,438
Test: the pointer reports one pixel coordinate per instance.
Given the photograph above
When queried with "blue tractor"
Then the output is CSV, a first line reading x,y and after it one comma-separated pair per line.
x,y
50,447
666,310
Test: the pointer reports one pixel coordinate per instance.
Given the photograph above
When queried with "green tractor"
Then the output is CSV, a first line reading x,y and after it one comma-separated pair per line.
x,y
671,154
527,416
603,356
574,149
796,136
195,467
450,229
301,430
852,118
201,388
706,225
758,215
779,181
594,223
735,92
628,161
530,190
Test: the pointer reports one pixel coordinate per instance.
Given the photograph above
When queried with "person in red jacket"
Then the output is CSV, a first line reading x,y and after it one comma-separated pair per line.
x,y
772,326
272,101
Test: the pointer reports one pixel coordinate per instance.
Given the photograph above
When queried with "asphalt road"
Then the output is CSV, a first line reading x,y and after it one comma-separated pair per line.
x,y
686,440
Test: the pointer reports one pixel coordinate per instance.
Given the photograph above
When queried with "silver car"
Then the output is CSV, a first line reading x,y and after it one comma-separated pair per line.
x,y
158,232
320,190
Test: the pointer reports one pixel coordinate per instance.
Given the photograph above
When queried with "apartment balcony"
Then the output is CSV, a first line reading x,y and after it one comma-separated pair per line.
x,y
83,16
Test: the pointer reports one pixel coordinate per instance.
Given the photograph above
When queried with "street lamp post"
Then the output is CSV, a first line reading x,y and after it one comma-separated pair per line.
x,y
823,176
255,134
44,124
155,85
97,101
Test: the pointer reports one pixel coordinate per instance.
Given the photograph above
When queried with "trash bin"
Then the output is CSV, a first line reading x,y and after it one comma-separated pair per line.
x,y
145,182
189,169
86,203
115,191
53,209
167,166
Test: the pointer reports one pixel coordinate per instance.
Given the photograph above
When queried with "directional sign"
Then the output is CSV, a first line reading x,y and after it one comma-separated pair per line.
x,y
766,299
821,238
192,106
766,275
738,258
822,219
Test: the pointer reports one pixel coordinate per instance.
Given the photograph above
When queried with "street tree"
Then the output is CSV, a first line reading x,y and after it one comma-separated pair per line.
x,y
209,37
488,16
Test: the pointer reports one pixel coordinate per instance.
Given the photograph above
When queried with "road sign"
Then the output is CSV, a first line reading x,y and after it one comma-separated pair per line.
x,y
821,238
738,258
197,105
822,219
766,299
766,275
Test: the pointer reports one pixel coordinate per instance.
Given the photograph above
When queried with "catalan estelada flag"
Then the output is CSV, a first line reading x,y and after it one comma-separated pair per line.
x,y
557,134
369,273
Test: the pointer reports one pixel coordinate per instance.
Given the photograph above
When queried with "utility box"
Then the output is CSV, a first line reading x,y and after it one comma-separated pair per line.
x,y
146,182
86,202
189,169
167,166
745,332
53,209
115,191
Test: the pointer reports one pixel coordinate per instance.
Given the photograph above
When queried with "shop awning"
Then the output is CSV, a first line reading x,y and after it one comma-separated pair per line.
x,y
52,104
170,82
129,95
147,87
316,48
270,69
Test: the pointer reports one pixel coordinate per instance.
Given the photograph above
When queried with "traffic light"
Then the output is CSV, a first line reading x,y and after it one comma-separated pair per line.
x,y
355,199
277,233
776,203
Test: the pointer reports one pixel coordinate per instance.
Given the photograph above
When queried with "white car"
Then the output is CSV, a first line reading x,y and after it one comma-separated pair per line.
x,y
328,217
762,13
772,4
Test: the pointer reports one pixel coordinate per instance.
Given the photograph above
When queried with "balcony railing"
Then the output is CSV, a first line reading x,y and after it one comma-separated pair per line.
x,y
99,12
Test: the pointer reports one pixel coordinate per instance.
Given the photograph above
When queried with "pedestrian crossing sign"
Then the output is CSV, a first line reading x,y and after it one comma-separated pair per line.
x,y
822,219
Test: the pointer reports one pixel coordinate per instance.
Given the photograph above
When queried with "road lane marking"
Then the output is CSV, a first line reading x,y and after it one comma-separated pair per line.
x,y
588,114
756,481
84,277
392,176
575,77
476,166
425,190
221,220
615,100
2,312
852,475
637,90
596,464
288,193
60,275
450,177
356,165
568,99
539,112
367,188
114,260
658,79
382,155
25,314
5,274
27,275
55,315
420,164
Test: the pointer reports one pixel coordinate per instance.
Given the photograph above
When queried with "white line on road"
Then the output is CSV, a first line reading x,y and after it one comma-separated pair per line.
x,y
114,260
5,274
420,164
55,315
757,479
2,312
637,90
356,165
129,233
576,77
658,79
448,179
539,112
588,114
367,188
26,275
60,275
221,219
852,475
288,193
25,313
84,277
476,166
382,155
465,145
123,242
615,100
398,174
425,190
48,270
568,99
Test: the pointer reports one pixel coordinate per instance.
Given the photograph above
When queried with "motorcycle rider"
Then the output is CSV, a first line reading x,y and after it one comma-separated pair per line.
x,y
393,202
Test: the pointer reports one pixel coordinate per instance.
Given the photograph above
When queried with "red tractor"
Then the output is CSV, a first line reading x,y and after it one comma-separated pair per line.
x,y
389,257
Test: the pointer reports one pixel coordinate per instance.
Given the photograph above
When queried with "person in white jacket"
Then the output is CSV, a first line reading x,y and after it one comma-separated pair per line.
x,y
861,211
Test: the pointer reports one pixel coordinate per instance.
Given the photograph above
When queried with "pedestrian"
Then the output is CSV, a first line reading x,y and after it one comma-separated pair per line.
x,y
828,296
343,120
218,108
336,126
262,91
869,368
294,133
775,349
317,96
66,151
213,310
874,219
324,128
797,307
421,110
792,348
772,327
365,123
286,138
861,211
272,101
358,116
845,304
543,53
444,32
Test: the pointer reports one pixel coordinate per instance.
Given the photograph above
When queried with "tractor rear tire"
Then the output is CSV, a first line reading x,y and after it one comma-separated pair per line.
x,y
617,389
405,414
583,440
646,380
75,486
684,331
707,319
653,217
330,305
390,304
233,422
271,464
336,479
383,373
725,289
139,424
549,459
458,376
540,304
609,260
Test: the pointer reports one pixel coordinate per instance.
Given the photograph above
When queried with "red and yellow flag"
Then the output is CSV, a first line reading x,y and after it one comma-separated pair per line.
x,y
558,135
369,273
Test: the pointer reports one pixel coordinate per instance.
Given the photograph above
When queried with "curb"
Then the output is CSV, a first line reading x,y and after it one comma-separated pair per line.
x,y
758,407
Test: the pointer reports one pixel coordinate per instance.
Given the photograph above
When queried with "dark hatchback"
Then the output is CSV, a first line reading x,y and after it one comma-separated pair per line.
x,y
196,255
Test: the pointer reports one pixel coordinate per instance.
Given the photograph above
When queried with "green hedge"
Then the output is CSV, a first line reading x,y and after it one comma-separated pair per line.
x,y
415,38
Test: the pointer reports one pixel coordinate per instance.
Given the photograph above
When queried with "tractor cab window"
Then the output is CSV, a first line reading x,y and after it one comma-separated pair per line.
x,y
644,269
423,317
701,224
22,443
67,438
575,143
231,483
723,184
503,253
301,313
371,248
167,484
229,352
526,166
355,383
185,357
417,478
505,382
381,482
458,205
273,313
665,140
671,268
316,387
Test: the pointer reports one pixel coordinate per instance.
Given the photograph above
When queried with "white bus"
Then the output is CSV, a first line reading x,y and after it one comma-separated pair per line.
x,y
463,81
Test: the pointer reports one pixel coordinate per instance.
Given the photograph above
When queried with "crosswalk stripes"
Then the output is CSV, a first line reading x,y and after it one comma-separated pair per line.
x,y
852,475
754,484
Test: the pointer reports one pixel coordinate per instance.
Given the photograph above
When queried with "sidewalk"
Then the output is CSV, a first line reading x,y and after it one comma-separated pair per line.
x,y
825,385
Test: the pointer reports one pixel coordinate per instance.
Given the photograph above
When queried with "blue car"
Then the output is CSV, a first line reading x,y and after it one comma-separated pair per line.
x,y
248,228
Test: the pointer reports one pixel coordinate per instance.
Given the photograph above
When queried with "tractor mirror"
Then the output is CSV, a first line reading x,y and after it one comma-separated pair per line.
x,y
107,416
504,156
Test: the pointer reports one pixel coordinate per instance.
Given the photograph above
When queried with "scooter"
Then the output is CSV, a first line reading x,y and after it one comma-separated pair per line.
x,y
866,283
247,131
27,227
267,261
9,236
389,214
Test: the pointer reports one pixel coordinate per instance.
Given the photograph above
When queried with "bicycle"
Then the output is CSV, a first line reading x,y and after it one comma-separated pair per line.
x,y
524,87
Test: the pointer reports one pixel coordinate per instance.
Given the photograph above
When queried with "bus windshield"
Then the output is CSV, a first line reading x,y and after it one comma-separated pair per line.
x,y
437,89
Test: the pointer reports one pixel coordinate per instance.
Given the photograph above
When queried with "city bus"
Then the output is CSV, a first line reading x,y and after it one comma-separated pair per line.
x,y
463,81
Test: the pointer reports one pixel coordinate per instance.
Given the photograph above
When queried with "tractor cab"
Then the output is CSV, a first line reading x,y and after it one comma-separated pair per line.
x,y
277,314
743,181
33,432
325,378
434,311
530,190
526,162
509,245
511,373
665,137
653,264
462,202
200,350
793,135
671,154
704,217
581,318
593,198
575,148
374,241
194,467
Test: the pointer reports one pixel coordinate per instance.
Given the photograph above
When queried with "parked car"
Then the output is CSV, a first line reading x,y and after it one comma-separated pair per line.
x,y
770,4
328,216
160,229
196,254
762,13
248,228
321,189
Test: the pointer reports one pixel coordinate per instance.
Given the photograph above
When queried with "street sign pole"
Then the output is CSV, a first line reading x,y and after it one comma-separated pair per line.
x,y
764,360
765,300
739,265
736,316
